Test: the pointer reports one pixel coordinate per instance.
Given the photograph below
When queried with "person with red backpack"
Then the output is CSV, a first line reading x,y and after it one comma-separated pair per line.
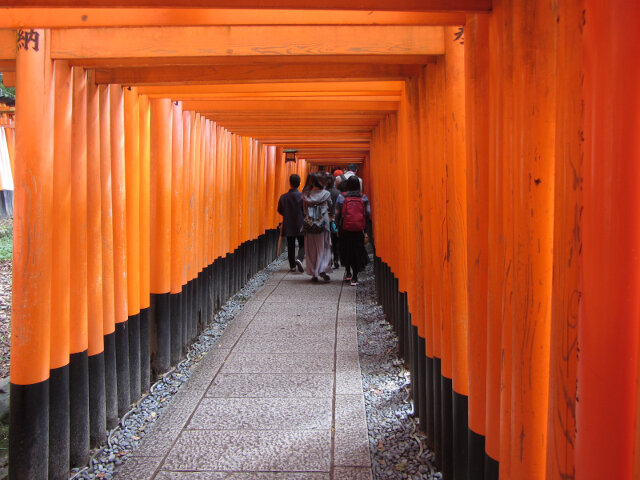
x,y
352,211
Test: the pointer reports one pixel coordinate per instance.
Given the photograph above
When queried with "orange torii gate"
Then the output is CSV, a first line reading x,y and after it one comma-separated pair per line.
x,y
501,159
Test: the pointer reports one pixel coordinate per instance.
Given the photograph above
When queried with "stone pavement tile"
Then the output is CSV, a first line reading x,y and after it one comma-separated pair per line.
x,y
295,306
138,468
274,322
350,413
348,374
322,296
284,344
352,473
272,385
348,295
351,448
173,418
230,336
206,369
262,414
292,334
289,317
165,475
347,338
251,450
278,363
321,291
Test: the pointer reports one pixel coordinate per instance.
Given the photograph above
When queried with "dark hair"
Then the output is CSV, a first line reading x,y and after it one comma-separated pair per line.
x,y
294,180
323,179
353,167
352,183
310,182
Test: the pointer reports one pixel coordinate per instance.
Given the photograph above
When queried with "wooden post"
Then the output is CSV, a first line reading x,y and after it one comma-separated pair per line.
x,y
119,219
108,281
609,327
32,258
97,404
60,281
79,341
457,244
476,39
160,273
132,185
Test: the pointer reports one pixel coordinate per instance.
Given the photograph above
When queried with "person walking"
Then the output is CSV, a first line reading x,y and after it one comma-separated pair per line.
x,y
290,207
352,170
352,212
316,202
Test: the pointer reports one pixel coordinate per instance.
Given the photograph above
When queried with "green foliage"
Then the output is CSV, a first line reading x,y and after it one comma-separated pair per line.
x,y
6,91
6,239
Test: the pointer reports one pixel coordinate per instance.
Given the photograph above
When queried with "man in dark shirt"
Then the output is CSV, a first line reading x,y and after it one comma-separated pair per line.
x,y
290,207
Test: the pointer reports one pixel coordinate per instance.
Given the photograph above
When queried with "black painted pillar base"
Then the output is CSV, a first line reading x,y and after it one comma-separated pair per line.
x,y
134,356
491,468
79,407
176,327
122,368
422,376
110,380
437,410
460,436
476,455
59,423
160,320
145,348
97,405
429,405
447,427
29,431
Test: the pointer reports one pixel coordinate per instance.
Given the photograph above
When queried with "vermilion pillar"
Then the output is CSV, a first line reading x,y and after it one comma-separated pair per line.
x,y
79,341
610,310
61,270
32,255
160,267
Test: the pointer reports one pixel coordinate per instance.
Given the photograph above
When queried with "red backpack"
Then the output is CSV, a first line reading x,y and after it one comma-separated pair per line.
x,y
353,214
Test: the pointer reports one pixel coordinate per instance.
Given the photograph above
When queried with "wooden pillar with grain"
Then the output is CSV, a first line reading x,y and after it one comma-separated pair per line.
x,y
160,266
32,258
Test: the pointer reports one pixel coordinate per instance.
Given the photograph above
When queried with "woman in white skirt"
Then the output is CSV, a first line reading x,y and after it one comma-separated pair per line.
x,y
318,245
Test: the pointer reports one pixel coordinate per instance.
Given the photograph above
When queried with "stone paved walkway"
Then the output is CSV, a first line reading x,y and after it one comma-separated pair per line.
x,y
278,398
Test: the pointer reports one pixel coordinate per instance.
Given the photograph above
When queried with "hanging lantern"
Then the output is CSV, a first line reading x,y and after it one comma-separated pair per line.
x,y
289,155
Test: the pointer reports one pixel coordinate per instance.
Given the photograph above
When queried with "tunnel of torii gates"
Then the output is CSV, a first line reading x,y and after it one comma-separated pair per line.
x,y
500,147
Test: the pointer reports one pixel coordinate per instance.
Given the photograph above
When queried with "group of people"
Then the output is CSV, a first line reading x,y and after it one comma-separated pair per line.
x,y
328,220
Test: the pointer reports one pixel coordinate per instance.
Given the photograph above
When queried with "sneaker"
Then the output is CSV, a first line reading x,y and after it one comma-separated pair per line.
x,y
300,267
347,277
292,269
314,279
325,277
354,283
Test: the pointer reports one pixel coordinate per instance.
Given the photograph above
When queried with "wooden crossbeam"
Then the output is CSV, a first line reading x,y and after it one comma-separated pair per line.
x,y
281,72
292,88
364,5
222,41
8,42
208,106
250,60
150,17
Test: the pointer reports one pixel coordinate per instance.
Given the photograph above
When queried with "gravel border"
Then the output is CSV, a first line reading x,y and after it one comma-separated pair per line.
x,y
398,449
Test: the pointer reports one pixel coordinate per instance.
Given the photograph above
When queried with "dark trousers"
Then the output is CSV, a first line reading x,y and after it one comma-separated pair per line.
x,y
335,248
291,249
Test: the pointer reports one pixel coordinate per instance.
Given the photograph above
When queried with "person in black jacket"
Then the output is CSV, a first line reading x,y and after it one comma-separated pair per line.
x,y
290,207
